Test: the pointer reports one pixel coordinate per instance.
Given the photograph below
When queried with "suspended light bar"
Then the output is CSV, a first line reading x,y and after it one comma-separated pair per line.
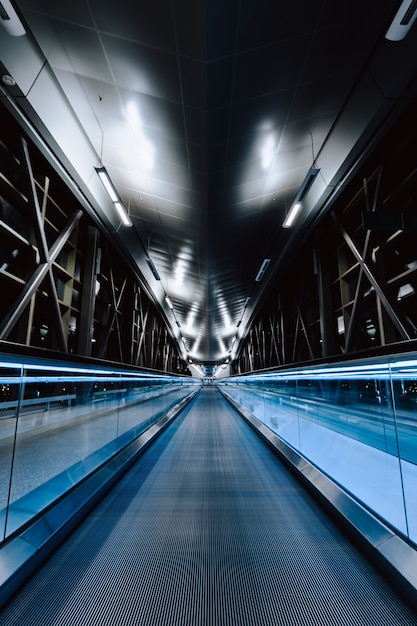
x,y
10,20
108,185
114,196
302,192
403,21
169,303
294,211
122,214
153,269
262,270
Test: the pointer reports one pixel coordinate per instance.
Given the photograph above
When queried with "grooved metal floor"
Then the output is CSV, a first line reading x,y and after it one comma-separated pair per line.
x,y
208,528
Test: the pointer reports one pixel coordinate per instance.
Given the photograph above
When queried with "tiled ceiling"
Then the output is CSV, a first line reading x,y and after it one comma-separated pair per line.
x,y
208,116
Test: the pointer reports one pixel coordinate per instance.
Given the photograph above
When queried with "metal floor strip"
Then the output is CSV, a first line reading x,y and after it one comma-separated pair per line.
x,y
208,528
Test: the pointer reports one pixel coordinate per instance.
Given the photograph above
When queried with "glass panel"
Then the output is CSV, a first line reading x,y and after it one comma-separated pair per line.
x,y
404,388
70,422
356,422
65,430
9,398
143,401
354,442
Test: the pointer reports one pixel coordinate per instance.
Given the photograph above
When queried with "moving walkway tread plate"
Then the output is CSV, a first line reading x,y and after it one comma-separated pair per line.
x,y
207,528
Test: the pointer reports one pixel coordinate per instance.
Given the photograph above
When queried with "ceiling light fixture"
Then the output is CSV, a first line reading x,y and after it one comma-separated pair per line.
x,y
294,211
10,20
262,270
302,192
114,196
403,21
123,214
169,303
153,269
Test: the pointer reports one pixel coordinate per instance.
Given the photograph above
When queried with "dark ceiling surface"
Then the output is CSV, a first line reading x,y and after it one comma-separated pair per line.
x,y
208,116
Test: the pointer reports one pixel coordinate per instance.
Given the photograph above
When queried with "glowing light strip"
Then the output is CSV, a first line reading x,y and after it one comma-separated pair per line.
x,y
295,209
122,214
402,22
398,369
104,177
104,375
114,196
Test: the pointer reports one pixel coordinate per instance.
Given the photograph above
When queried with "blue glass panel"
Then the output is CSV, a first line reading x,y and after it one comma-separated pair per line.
x,y
356,421
9,399
59,422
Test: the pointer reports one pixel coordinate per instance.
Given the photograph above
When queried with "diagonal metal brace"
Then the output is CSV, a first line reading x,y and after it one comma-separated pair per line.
x,y
370,276
37,277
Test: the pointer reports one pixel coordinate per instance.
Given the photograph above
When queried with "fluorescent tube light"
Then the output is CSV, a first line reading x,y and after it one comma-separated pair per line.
x,y
169,303
302,192
295,209
114,196
105,179
403,21
122,213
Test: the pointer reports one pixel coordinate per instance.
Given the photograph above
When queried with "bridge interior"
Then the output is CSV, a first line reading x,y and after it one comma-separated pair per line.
x,y
155,292
185,144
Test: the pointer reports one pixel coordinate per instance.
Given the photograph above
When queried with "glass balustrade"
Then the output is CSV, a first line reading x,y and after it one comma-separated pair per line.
x,y
357,422
59,423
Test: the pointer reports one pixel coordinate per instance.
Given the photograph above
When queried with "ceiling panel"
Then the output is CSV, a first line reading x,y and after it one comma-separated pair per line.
x,y
271,22
266,70
142,68
150,23
76,11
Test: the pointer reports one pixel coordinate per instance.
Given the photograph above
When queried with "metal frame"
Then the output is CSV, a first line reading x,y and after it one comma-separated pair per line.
x,y
121,325
351,267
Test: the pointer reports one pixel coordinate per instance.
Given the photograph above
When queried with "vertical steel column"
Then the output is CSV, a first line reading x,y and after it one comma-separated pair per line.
x,y
274,351
324,295
88,295
282,330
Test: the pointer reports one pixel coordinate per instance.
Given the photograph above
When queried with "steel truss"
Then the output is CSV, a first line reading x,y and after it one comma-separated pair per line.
x,y
64,286
356,274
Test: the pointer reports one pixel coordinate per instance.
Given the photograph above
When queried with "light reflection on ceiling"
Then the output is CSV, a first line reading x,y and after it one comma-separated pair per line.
x,y
145,151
